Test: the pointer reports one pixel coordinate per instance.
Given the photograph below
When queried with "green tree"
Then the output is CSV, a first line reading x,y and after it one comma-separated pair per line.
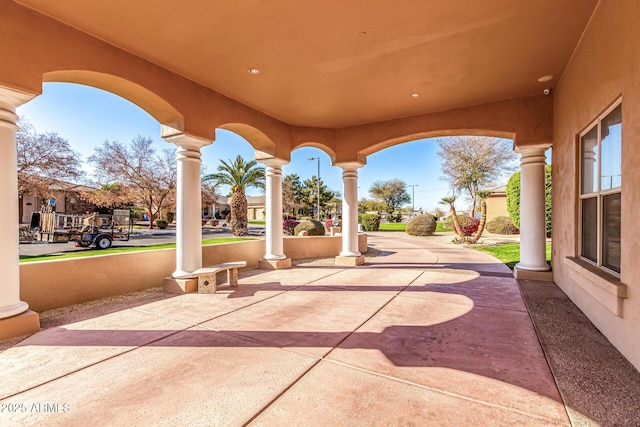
x,y
513,198
472,162
393,193
310,194
239,175
370,205
293,198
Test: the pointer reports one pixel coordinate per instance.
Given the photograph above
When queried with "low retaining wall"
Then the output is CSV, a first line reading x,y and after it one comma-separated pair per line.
x,y
51,284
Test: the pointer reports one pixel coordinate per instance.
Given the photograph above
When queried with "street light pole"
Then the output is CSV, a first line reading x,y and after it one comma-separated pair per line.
x,y
318,195
413,198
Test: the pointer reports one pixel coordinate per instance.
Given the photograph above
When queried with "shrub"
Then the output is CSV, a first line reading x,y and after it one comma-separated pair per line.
x,y
468,225
421,225
394,217
170,217
513,198
162,223
289,226
370,222
501,225
312,226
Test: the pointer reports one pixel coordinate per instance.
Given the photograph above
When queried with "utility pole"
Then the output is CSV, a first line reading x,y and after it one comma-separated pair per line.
x,y
413,198
318,195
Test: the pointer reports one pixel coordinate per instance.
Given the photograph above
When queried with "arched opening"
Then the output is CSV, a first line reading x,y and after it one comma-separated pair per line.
x,y
414,160
87,118
153,104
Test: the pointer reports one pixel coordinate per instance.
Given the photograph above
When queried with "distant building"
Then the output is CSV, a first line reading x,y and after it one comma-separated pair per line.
x,y
67,201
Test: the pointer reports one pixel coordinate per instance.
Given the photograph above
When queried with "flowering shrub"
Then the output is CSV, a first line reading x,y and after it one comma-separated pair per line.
x,y
288,225
468,225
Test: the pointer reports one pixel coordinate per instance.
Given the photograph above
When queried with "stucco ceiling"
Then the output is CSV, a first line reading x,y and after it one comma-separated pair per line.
x,y
341,63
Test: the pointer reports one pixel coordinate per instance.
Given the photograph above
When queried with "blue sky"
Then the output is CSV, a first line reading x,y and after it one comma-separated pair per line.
x,y
86,117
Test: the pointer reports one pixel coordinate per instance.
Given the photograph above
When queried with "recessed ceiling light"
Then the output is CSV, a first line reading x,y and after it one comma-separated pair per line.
x,y
253,71
546,78
415,95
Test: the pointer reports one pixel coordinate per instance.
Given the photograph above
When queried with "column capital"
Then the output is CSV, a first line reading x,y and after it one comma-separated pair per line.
x,y
273,162
14,97
533,149
188,142
349,166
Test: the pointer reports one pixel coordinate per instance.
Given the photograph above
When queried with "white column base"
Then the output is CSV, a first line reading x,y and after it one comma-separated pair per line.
x,y
13,310
349,254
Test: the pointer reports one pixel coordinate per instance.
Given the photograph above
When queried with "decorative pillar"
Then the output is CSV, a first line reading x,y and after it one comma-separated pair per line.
x,y
188,213
350,256
533,264
15,317
274,258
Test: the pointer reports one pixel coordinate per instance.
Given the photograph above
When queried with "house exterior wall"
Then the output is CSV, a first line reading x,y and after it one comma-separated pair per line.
x,y
496,206
604,67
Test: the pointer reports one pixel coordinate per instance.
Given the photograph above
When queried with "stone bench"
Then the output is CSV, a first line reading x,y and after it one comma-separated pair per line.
x,y
207,276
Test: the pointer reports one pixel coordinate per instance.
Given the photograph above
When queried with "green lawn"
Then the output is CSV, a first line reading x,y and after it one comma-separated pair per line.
x,y
440,228
509,253
399,226
257,222
94,252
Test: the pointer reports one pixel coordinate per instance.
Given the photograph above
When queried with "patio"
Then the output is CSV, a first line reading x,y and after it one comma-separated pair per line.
x,y
423,334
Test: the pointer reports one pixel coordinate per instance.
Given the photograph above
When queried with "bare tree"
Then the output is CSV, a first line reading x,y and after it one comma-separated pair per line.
x,y
472,162
150,177
43,158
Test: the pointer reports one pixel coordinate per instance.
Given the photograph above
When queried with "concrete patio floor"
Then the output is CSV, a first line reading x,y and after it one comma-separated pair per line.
x,y
423,334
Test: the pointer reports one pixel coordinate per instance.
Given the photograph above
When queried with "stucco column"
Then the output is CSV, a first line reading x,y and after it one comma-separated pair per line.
x,y
274,257
350,254
188,205
15,317
533,264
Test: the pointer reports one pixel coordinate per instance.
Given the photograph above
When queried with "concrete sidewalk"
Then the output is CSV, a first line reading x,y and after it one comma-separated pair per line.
x,y
424,334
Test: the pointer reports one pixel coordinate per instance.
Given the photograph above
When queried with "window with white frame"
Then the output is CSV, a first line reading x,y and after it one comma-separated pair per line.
x,y
600,190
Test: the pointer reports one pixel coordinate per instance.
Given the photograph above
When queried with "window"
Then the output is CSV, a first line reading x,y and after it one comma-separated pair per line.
x,y
600,190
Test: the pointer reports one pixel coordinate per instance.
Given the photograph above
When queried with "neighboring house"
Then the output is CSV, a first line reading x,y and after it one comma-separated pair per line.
x,y
222,206
497,203
67,201
255,208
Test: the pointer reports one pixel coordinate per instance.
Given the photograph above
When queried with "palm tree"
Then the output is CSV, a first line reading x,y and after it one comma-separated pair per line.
x,y
482,195
239,175
454,216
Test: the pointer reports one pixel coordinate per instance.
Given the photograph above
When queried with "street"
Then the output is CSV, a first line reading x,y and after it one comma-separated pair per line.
x,y
139,237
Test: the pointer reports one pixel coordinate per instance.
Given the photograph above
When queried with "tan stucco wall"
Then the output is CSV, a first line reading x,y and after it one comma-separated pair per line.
x,y
496,206
605,65
51,284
